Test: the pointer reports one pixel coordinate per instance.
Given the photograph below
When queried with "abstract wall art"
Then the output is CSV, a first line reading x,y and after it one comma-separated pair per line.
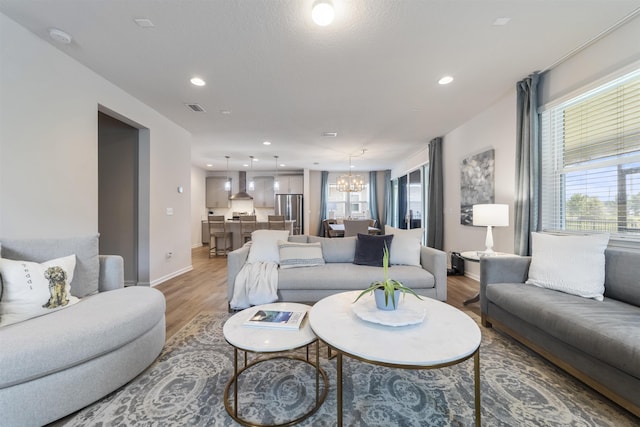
x,y
476,183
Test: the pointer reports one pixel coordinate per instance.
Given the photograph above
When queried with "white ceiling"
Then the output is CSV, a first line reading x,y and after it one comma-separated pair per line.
x,y
371,76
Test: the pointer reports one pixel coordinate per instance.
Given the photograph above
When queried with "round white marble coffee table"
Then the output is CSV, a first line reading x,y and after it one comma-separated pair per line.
x,y
447,336
270,340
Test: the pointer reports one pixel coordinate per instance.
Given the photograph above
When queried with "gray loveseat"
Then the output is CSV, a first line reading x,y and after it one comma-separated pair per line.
x,y
56,364
597,342
339,274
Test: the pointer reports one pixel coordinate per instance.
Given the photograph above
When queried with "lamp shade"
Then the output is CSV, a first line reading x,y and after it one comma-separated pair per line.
x,y
491,214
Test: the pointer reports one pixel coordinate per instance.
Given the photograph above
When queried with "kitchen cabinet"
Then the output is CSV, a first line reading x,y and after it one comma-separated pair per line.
x,y
291,184
217,196
263,194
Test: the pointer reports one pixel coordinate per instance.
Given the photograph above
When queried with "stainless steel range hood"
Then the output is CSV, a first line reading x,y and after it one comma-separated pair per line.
x,y
242,194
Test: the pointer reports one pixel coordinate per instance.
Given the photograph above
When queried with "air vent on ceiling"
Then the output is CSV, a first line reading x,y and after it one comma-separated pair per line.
x,y
196,107
329,134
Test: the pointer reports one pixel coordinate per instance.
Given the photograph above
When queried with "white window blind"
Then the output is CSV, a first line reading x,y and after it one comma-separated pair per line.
x,y
591,161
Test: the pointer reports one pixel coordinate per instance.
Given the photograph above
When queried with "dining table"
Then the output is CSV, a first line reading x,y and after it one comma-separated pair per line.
x,y
339,229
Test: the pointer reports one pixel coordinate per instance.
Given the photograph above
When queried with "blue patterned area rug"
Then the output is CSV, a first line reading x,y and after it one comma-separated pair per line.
x,y
185,387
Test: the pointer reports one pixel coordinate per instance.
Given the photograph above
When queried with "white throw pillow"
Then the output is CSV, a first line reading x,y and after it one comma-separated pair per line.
x,y
31,289
570,264
294,254
264,245
405,248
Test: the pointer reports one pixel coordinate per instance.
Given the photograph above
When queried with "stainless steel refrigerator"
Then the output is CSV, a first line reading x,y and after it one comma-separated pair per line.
x,y
290,205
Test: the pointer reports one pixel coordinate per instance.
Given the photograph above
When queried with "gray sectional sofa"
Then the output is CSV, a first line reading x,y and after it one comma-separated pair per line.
x,y
597,342
58,363
339,274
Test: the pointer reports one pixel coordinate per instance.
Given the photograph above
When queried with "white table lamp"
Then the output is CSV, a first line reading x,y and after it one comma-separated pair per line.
x,y
490,215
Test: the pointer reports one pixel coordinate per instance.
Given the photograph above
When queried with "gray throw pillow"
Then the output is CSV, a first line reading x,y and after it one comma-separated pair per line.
x,y
370,249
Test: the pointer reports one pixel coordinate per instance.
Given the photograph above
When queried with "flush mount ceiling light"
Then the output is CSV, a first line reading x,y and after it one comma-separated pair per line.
x,y
323,13
197,81
445,80
266,143
60,36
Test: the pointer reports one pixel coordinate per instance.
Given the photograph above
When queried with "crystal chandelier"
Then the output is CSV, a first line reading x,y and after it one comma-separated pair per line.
x,y
350,183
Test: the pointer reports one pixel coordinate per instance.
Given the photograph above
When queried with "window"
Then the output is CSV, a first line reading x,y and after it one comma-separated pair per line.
x,y
347,205
591,161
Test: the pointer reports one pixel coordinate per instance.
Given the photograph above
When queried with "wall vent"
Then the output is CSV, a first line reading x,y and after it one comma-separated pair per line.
x,y
196,107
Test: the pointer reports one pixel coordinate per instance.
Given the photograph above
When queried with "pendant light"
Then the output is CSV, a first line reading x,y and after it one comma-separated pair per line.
x,y
227,182
349,183
252,184
276,183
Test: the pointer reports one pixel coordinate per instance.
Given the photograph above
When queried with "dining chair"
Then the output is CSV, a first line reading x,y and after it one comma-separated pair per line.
x,y
218,230
328,232
353,227
247,226
276,222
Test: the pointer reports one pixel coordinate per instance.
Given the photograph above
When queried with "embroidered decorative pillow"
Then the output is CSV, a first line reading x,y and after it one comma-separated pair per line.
x,y
370,249
264,245
406,245
570,264
300,254
31,289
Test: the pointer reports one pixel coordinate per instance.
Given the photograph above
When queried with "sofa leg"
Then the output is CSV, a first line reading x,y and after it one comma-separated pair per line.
x,y
484,321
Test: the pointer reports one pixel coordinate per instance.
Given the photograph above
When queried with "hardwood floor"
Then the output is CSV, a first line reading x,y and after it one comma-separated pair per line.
x,y
204,289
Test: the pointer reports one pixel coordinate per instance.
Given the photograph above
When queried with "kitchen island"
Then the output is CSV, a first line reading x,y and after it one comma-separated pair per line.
x,y
236,235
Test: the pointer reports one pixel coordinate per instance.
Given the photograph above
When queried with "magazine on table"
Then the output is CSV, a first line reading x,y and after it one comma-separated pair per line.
x,y
276,319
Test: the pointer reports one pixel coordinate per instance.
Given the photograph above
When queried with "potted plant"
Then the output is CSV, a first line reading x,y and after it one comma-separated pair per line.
x,y
388,288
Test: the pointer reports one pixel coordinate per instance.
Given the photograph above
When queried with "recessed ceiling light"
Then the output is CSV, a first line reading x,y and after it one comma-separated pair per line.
x,y
445,80
266,143
246,165
255,159
197,81
209,165
323,13
144,22
501,21
59,36
282,165
225,112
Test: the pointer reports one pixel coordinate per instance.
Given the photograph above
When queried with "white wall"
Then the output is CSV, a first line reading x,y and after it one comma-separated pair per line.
x,y
614,52
48,140
494,128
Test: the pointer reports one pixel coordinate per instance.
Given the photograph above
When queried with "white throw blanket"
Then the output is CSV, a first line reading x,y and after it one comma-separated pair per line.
x,y
256,283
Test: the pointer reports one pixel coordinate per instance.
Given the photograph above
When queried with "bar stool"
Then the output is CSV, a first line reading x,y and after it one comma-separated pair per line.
x,y
247,226
218,230
276,222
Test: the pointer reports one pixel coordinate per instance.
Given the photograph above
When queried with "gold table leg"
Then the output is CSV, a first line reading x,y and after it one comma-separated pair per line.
x,y
339,384
476,381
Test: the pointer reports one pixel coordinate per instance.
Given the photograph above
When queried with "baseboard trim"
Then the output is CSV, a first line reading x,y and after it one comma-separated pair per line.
x,y
171,276
472,276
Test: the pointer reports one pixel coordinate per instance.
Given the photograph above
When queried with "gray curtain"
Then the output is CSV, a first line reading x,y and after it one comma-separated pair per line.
x,y
324,195
435,196
527,200
373,196
386,207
